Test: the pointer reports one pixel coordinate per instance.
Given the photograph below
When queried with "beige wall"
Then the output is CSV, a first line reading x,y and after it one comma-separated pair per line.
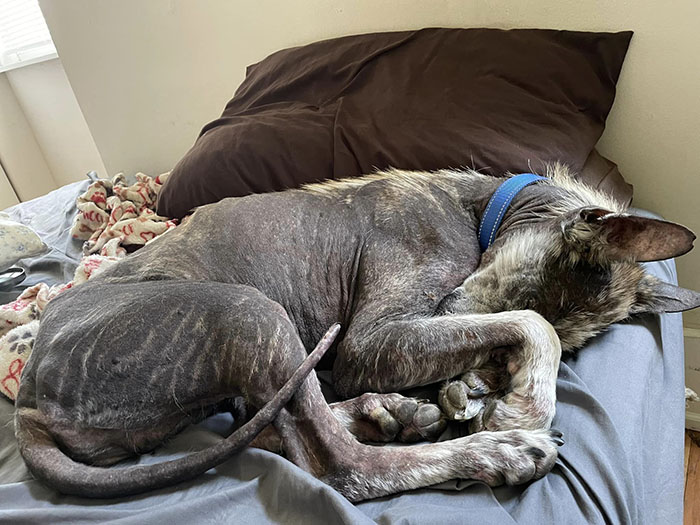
x,y
20,155
50,107
149,74
44,139
8,197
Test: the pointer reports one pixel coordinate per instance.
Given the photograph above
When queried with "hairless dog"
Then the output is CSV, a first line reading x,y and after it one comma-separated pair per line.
x,y
226,306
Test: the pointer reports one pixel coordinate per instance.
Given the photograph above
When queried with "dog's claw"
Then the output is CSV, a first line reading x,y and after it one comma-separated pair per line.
x,y
478,382
477,392
474,406
557,437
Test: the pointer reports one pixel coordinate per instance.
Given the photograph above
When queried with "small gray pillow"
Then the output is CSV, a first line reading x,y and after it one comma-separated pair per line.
x,y
17,241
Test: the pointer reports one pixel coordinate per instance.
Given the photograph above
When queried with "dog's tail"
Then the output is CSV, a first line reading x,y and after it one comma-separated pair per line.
x,y
50,465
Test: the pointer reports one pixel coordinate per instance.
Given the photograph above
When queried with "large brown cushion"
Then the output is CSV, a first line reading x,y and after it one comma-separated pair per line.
x,y
484,98
603,174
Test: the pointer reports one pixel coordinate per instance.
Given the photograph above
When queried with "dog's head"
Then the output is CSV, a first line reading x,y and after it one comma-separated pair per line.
x,y
580,270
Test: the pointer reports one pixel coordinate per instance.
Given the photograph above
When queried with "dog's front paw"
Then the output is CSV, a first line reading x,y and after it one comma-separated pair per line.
x,y
514,456
466,397
457,402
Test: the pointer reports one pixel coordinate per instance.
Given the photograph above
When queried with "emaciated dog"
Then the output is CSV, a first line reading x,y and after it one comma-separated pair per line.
x,y
394,258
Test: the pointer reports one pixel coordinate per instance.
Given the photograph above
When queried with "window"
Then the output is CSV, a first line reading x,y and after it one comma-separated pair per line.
x,y
24,37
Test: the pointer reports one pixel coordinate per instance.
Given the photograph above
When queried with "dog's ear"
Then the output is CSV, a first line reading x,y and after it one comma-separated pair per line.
x,y
618,236
655,296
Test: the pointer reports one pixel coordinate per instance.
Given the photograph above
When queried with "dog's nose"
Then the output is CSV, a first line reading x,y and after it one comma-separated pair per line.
x,y
447,304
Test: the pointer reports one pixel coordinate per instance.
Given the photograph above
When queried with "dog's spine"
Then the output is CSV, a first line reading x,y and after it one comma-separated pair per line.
x,y
48,464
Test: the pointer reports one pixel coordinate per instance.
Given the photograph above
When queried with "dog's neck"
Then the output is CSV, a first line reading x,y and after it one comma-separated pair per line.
x,y
531,205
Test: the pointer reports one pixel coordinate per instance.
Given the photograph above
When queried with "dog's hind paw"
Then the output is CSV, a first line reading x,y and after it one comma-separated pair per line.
x,y
390,417
420,420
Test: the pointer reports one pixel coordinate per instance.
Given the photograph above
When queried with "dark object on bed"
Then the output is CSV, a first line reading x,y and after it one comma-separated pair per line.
x,y
11,277
483,98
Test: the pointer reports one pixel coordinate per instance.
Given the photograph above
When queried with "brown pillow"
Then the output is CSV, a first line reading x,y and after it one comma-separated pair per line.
x,y
488,99
603,174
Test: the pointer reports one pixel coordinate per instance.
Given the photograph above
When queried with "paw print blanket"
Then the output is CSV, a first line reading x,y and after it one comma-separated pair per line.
x,y
113,218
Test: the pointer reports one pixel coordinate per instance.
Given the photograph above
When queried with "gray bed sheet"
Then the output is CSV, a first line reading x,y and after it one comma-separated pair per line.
x,y
620,407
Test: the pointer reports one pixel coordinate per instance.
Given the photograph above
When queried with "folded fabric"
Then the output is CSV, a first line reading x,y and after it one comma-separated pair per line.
x,y
112,215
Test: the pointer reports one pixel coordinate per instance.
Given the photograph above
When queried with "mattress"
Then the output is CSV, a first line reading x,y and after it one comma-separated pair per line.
x,y
619,404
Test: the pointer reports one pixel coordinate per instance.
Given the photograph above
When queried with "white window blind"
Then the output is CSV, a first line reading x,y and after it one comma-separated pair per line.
x,y
24,37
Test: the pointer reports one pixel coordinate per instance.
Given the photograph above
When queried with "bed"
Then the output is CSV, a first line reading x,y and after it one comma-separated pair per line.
x,y
620,399
620,407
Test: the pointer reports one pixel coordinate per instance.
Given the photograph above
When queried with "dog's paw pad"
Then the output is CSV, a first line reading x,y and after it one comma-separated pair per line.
x,y
459,401
426,423
390,417
405,410
387,424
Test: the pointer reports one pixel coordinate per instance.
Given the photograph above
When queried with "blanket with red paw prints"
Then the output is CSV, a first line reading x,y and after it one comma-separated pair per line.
x,y
112,216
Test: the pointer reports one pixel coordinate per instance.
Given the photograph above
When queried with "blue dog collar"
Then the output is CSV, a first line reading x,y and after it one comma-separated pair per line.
x,y
498,205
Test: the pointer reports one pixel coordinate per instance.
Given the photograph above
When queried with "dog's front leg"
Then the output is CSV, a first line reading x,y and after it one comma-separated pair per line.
x,y
408,353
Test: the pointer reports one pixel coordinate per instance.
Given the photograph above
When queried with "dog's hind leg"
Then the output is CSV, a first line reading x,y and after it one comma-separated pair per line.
x,y
312,437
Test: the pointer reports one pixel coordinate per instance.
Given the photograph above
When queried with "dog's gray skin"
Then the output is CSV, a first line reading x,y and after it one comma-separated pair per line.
x,y
226,305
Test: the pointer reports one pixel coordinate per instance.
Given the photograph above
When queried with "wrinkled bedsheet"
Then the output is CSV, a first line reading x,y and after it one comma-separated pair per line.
x,y
620,407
